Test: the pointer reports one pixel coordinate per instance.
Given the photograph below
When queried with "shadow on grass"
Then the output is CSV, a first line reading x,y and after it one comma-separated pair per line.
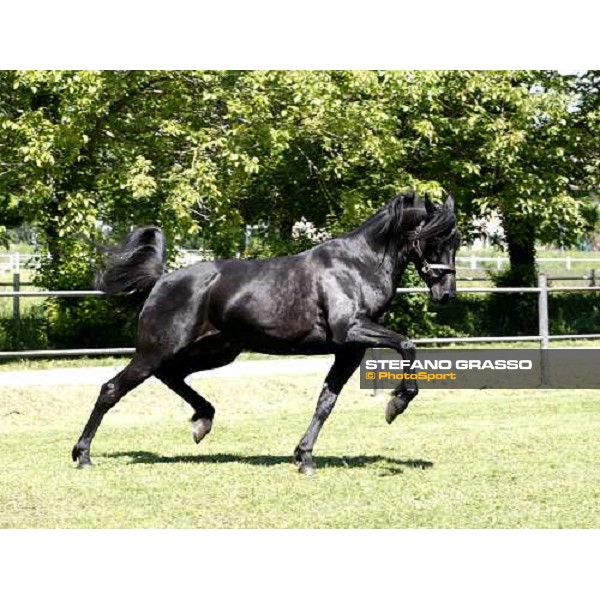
x,y
394,466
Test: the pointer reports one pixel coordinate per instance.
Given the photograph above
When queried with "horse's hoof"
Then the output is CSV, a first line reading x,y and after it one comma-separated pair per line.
x,y
297,458
200,428
306,469
85,465
392,410
82,459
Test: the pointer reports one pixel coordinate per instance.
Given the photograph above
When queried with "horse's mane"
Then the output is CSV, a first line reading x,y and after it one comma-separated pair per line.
x,y
403,214
385,223
439,222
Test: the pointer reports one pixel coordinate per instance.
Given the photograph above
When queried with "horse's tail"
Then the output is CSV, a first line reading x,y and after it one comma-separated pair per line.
x,y
135,265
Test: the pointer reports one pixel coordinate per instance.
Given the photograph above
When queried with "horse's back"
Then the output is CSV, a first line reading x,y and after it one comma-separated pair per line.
x,y
270,305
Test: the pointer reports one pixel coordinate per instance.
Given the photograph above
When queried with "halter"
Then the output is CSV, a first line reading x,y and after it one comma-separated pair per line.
x,y
427,267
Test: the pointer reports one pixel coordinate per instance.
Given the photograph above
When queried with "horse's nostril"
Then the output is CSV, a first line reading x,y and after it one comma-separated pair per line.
x,y
445,298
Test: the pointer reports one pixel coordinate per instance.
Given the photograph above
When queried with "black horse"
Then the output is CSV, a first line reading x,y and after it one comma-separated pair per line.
x,y
330,299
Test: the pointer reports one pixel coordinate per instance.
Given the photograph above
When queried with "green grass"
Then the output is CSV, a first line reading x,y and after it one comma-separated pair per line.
x,y
474,459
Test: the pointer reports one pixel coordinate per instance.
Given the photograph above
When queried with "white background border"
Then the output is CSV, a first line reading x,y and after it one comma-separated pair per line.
x,y
312,34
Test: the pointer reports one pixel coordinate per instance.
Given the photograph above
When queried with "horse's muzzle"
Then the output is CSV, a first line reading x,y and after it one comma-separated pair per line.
x,y
443,292
440,298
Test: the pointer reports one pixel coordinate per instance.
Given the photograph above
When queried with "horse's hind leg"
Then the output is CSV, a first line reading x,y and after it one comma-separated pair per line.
x,y
111,392
173,374
204,411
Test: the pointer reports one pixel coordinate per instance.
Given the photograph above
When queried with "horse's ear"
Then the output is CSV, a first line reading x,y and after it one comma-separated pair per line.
x,y
429,205
449,204
398,205
409,197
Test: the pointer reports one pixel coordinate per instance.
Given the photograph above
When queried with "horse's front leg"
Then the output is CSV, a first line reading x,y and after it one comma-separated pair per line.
x,y
406,391
346,362
372,335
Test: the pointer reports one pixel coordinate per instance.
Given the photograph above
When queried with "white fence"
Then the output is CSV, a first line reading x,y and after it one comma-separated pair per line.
x,y
15,262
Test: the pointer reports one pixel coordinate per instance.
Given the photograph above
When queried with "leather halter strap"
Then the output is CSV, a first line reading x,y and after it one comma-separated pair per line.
x,y
426,267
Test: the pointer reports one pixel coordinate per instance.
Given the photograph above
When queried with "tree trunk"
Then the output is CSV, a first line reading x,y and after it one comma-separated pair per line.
x,y
520,239
516,314
50,274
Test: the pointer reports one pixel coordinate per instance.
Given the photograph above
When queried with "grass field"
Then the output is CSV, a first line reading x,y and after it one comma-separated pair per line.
x,y
455,459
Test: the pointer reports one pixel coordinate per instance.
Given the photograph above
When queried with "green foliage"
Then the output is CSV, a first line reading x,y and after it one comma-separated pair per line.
x,y
474,315
89,323
70,323
30,332
574,313
104,322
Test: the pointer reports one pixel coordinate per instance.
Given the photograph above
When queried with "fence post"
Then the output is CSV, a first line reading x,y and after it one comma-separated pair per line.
x,y
543,309
593,278
16,299
543,325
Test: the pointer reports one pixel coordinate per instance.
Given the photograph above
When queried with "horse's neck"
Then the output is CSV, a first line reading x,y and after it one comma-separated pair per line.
x,y
389,265
400,268
386,258
393,267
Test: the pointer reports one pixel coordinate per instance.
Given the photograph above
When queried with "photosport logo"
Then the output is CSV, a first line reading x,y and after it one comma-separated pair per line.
x,y
480,369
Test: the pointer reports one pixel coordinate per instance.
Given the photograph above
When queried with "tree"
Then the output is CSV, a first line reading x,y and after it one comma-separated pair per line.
x,y
119,147
337,144
499,139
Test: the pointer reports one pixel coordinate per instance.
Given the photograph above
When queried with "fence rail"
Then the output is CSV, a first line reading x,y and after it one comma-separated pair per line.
x,y
15,262
543,337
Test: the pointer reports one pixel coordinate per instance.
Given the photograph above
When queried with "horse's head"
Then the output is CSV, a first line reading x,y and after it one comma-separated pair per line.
x,y
432,248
